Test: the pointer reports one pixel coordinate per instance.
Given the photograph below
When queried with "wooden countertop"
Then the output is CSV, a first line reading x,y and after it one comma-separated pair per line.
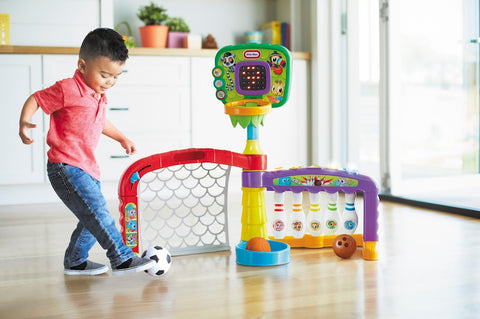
x,y
20,49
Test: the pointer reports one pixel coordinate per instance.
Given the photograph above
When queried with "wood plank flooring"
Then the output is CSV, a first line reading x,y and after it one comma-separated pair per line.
x,y
428,267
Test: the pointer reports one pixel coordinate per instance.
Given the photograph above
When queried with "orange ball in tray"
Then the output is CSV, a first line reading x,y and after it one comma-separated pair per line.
x,y
258,244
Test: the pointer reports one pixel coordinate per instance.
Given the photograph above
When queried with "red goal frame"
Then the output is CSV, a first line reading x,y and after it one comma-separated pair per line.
x,y
129,181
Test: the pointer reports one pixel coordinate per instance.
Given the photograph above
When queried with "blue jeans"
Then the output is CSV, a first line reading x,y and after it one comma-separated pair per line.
x,y
81,193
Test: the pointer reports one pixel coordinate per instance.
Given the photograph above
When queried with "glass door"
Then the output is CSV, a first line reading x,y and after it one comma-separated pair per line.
x,y
404,104
432,121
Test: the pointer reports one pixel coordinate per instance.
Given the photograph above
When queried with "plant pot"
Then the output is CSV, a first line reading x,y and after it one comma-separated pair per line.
x,y
154,36
175,39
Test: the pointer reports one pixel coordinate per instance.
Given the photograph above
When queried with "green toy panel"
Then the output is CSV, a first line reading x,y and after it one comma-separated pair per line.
x,y
246,71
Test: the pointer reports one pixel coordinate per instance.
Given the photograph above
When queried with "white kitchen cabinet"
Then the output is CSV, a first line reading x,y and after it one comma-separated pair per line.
x,y
150,104
151,71
20,77
285,136
211,127
57,67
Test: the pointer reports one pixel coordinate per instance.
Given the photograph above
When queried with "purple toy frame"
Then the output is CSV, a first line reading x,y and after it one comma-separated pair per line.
x,y
316,179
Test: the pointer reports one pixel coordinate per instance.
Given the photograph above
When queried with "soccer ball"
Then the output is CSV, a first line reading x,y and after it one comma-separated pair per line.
x,y
162,257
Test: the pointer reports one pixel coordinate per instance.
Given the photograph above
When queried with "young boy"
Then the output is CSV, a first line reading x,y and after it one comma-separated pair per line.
x,y
77,109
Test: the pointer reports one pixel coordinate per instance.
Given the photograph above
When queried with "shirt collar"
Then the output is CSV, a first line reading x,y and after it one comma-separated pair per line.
x,y
83,88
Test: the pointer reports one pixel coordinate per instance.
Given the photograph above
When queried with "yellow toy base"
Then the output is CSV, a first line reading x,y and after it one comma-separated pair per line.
x,y
309,241
370,251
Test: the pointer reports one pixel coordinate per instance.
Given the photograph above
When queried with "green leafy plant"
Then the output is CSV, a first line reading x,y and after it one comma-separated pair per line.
x,y
177,25
152,14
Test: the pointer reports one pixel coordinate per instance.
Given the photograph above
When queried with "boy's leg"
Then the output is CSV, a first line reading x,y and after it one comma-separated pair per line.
x,y
82,195
80,244
75,260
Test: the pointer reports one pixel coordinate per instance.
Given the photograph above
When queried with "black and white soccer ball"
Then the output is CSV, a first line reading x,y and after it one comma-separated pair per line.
x,y
162,257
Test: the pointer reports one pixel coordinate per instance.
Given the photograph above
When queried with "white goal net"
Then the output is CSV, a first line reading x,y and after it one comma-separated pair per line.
x,y
184,208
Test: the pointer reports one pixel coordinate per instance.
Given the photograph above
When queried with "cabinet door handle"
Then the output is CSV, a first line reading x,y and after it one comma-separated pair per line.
x,y
119,109
119,156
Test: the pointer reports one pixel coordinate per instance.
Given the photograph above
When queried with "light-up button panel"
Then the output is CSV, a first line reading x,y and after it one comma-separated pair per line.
x,y
252,77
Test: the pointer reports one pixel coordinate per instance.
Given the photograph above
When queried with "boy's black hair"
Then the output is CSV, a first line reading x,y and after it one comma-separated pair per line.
x,y
104,42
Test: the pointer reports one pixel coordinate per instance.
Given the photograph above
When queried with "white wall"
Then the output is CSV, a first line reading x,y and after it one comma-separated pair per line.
x,y
66,22
55,22
226,20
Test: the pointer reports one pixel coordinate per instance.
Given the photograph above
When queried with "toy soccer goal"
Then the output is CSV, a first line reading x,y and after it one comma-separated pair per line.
x,y
178,200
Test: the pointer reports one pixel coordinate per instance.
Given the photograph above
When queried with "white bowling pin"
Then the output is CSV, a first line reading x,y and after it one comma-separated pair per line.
x,y
314,218
349,216
279,216
331,220
297,219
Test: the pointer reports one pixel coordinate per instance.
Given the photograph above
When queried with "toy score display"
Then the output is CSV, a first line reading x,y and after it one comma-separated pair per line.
x,y
260,71
250,80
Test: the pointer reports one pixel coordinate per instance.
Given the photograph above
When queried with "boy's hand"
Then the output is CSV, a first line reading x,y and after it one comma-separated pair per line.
x,y
28,110
23,132
129,146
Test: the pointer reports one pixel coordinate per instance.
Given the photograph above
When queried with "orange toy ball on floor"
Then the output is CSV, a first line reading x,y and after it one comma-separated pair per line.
x,y
344,246
258,244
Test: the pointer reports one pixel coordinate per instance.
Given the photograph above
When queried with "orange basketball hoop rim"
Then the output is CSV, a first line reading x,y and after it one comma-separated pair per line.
x,y
240,107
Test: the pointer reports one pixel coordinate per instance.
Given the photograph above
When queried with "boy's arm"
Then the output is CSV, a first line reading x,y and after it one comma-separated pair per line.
x,y
111,131
28,110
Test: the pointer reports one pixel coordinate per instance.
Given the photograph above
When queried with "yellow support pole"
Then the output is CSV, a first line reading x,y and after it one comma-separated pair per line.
x,y
254,214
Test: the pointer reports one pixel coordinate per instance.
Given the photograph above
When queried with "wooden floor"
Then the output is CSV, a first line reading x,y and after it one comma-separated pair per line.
x,y
428,267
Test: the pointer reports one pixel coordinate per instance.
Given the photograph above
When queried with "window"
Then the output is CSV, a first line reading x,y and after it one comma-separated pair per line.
x,y
405,96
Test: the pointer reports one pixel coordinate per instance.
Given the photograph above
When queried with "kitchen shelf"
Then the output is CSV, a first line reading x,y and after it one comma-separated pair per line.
x,y
20,49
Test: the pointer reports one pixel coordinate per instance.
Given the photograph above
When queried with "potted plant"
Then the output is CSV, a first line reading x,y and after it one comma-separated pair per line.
x,y
154,33
177,31
129,39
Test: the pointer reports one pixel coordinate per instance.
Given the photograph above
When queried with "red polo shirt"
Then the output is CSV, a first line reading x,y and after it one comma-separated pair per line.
x,y
77,118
